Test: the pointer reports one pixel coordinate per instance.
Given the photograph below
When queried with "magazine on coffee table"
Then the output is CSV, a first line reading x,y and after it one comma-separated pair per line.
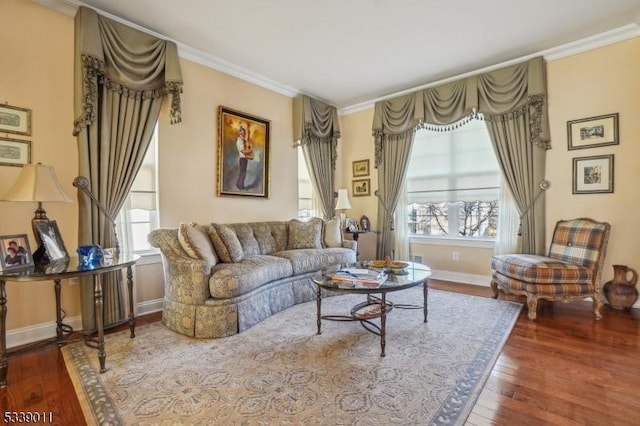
x,y
359,275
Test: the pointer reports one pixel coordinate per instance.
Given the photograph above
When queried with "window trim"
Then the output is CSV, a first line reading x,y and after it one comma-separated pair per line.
x,y
440,240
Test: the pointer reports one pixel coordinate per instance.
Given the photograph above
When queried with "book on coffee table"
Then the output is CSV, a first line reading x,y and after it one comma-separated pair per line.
x,y
358,275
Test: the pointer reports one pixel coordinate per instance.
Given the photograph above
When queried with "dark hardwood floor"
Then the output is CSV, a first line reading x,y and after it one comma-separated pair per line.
x,y
562,369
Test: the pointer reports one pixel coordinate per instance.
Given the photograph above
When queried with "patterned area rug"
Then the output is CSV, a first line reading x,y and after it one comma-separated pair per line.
x,y
281,372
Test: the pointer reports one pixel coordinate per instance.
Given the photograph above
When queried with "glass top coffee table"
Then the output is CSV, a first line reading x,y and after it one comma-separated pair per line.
x,y
376,305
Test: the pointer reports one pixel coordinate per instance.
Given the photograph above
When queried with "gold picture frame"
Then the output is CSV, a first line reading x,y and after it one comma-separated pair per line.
x,y
360,168
593,131
243,154
15,120
361,187
14,152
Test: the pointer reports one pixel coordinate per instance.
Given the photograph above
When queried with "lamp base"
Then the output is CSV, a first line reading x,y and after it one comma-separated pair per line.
x,y
40,256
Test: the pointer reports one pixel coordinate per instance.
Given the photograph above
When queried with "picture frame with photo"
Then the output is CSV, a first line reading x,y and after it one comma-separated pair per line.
x,y
593,132
14,152
593,175
360,168
51,239
15,253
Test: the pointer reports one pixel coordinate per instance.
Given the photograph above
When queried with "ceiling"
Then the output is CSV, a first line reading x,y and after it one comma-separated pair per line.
x,y
349,52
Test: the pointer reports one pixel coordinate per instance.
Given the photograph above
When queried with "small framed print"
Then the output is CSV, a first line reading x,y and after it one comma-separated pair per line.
x,y
593,131
15,252
361,168
593,175
15,120
361,187
14,152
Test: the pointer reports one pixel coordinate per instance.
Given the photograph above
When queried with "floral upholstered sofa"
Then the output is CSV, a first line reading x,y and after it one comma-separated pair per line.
x,y
222,279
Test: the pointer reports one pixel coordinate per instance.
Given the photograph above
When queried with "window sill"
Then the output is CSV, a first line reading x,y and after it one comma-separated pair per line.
x,y
452,241
148,258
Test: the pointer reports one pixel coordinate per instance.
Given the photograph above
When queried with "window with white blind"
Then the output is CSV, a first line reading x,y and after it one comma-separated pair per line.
x,y
453,183
139,214
305,189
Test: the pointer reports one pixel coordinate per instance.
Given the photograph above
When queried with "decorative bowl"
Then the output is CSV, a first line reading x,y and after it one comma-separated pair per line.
x,y
398,267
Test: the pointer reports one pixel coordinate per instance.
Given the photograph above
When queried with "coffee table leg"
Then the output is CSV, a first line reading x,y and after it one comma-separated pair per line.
x,y
4,360
425,289
383,322
319,305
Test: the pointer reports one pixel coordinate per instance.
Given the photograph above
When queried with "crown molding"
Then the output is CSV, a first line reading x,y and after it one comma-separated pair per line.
x,y
569,49
70,7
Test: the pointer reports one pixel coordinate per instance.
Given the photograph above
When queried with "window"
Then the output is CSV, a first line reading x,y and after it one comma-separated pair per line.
x,y
305,189
139,214
453,183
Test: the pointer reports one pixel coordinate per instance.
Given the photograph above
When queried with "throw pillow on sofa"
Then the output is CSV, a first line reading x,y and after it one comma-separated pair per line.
x,y
226,243
332,234
303,235
195,241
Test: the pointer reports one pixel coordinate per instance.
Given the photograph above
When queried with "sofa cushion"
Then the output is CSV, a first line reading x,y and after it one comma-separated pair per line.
x,y
305,235
308,260
262,232
249,244
540,269
235,279
332,234
226,243
194,240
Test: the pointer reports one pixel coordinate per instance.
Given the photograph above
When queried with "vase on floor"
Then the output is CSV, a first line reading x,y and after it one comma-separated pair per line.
x,y
621,292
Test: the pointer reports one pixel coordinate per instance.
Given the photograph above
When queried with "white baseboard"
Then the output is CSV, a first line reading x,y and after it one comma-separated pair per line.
x,y
461,277
38,332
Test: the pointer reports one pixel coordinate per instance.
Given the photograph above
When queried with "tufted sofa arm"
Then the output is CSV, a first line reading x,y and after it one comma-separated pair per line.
x,y
186,279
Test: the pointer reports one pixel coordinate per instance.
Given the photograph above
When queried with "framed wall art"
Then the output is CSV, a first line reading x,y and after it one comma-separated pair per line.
x,y
14,152
361,187
594,131
361,168
15,120
592,175
15,252
243,154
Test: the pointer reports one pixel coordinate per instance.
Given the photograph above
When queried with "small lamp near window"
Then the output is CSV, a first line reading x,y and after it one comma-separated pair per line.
x,y
37,183
342,205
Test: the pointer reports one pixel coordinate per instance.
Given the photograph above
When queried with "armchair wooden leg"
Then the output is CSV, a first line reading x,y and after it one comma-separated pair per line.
x,y
494,287
532,303
597,304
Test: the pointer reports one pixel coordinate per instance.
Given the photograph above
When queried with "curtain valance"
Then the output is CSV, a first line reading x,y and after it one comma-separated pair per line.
x,y
499,95
314,120
127,61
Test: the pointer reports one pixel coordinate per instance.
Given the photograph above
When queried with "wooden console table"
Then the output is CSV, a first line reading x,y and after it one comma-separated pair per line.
x,y
56,273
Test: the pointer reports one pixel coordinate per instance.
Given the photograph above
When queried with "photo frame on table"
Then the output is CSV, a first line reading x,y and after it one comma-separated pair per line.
x,y
15,120
14,152
360,168
243,154
593,175
15,253
361,187
49,235
592,132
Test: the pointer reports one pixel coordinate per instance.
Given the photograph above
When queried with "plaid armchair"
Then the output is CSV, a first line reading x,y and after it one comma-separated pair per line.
x,y
571,270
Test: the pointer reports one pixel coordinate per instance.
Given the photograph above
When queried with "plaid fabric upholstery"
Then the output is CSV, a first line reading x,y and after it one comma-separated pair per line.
x,y
540,269
507,284
578,241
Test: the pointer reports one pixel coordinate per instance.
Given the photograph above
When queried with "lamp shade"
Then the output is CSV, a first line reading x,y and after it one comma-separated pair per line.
x,y
343,200
36,182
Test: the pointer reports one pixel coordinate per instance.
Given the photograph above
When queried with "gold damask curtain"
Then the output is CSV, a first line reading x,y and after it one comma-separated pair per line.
x,y
513,100
317,130
121,78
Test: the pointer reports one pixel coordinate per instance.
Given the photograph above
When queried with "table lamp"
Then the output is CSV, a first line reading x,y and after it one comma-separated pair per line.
x,y
37,183
342,205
